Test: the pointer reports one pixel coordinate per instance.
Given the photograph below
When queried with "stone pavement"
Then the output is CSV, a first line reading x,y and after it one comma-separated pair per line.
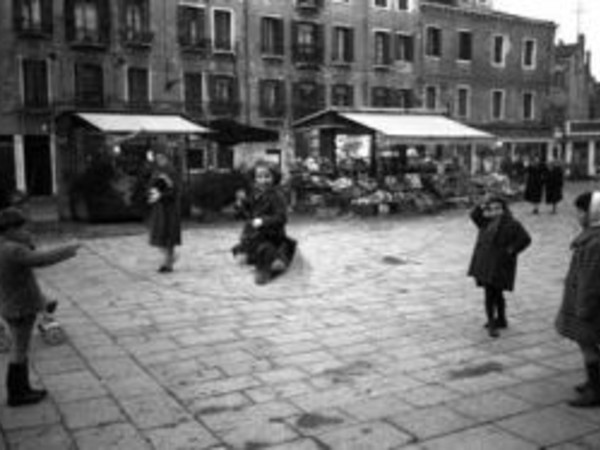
x,y
373,340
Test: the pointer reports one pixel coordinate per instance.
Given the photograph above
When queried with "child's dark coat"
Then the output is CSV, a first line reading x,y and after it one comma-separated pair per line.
x,y
494,260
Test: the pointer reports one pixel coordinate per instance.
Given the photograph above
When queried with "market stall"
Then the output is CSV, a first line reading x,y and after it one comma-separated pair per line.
x,y
103,160
378,161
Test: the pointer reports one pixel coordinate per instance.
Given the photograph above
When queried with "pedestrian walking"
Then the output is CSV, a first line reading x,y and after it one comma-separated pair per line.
x,y
579,316
165,215
500,240
21,299
534,184
554,185
264,242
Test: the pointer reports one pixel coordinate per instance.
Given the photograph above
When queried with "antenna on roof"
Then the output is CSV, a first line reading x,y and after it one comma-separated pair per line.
x,y
579,12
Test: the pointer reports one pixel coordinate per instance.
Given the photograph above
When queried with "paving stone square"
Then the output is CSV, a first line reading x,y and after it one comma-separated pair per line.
x,y
372,340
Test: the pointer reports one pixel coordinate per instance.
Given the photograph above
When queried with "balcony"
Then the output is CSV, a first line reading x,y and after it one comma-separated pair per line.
x,y
219,108
308,55
33,30
195,46
88,40
141,39
308,7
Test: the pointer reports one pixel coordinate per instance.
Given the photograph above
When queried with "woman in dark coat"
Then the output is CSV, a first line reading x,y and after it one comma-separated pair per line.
x,y
165,216
534,184
579,315
264,241
494,262
554,185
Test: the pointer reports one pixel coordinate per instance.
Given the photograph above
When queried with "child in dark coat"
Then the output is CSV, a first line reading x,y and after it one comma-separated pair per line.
x,y
21,299
494,262
264,242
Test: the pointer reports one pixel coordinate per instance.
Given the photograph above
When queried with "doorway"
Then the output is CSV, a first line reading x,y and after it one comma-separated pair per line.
x,y
38,165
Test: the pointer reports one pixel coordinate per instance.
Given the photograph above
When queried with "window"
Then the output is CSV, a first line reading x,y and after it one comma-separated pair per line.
x,y
433,42
465,46
272,98
223,94
498,51
272,36
33,15
382,48
528,106
497,105
223,30
404,47
308,98
136,22
381,3
191,26
35,83
405,98
343,45
463,102
86,21
307,42
529,54
403,5
381,97
138,87
431,97
89,85
342,95
193,92
196,159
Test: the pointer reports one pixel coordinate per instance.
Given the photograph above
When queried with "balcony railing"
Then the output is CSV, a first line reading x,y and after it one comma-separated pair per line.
x,y
219,108
89,39
308,54
137,38
308,6
34,30
199,46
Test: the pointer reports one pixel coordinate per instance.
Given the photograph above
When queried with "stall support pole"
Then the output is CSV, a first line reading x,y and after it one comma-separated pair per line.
x,y
591,169
474,161
569,156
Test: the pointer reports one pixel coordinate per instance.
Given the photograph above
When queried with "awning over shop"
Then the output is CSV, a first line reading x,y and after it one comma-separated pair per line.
x,y
147,123
520,133
230,132
400,125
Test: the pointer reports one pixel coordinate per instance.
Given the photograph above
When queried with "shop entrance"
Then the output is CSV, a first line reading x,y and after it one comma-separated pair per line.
x,y
38,165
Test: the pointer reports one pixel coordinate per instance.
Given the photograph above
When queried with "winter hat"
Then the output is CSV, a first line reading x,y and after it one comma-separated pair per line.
x,y
11,218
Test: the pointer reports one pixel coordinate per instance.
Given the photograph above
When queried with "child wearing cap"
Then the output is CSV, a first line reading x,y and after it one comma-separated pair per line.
x,y
500,239
21,298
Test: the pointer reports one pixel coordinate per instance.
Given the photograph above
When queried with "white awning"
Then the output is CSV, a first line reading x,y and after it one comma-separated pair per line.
x,y
416,126
148,123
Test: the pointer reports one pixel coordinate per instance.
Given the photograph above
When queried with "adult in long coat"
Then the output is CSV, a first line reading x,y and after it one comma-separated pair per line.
x,y
165,213
534,184
554,185
500,240
579,315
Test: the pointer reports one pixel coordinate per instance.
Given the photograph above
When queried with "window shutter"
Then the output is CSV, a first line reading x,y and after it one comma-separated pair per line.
x,y
70,20
182,34
321,100
350,45
319,42
281,100
104,18
264,35
280,37
17,17
47,16
296,52
387,49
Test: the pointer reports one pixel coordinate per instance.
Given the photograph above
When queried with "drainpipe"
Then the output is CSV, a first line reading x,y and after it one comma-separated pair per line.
x,y
246,34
